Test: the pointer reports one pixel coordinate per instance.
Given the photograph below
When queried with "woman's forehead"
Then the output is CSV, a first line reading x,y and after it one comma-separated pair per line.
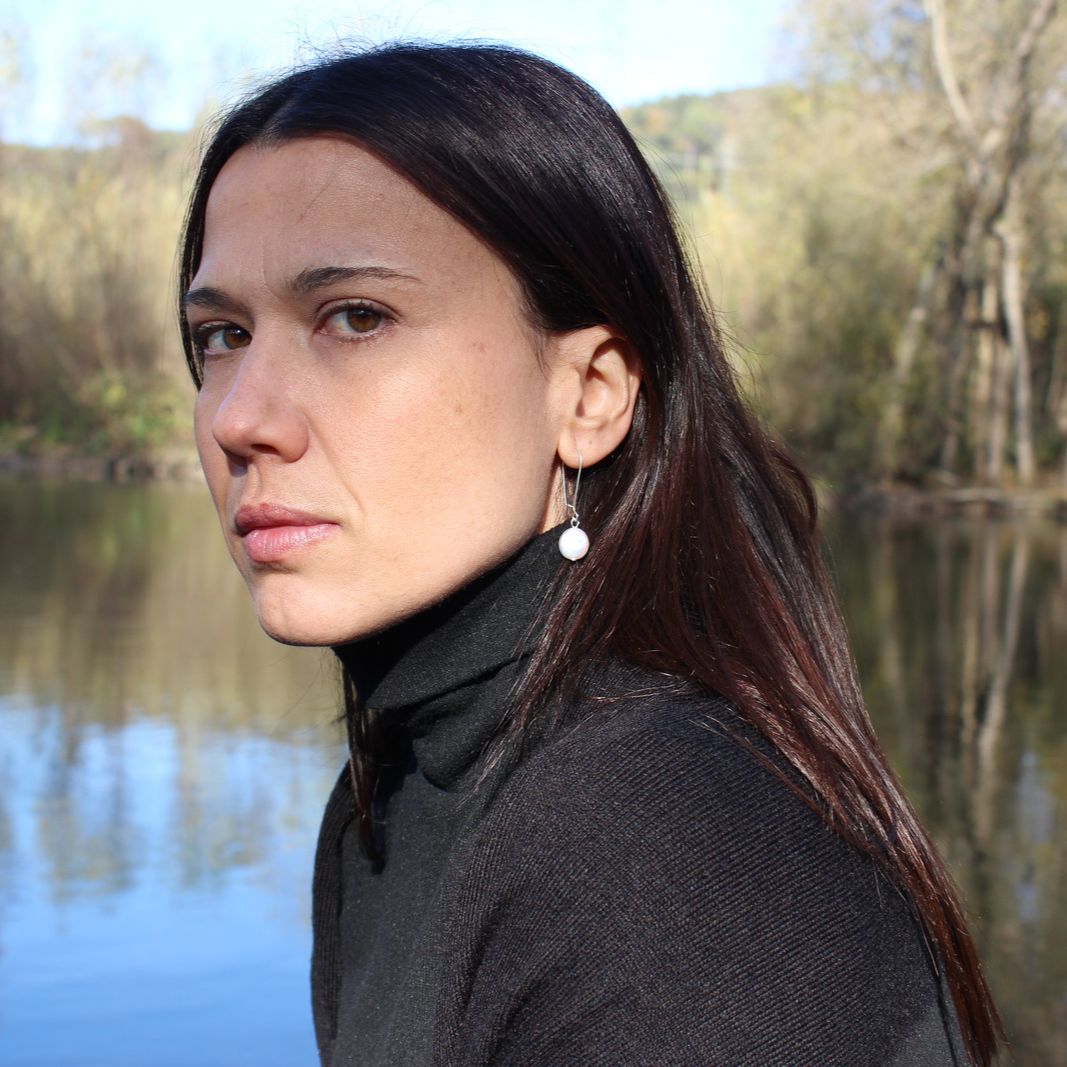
x,y
326,201
319,186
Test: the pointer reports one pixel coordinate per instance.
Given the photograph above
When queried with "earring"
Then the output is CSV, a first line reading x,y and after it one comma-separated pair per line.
x,y
574,541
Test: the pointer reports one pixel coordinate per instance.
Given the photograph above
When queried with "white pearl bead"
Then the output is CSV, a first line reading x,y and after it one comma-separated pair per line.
x,y
573,543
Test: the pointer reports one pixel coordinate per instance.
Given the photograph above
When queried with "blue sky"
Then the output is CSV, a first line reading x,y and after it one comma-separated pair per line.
x,y
168,62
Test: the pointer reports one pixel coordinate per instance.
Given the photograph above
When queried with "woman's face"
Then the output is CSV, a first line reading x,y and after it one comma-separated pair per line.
x,y
374,424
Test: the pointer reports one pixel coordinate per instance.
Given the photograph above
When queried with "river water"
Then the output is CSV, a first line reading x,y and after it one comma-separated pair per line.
x,y
163,767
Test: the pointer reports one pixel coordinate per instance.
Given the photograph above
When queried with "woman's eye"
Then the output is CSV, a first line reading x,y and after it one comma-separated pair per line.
x,y
355,319
215,338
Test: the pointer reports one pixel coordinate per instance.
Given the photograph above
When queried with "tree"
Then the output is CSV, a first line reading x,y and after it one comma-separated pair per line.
x,y
976,62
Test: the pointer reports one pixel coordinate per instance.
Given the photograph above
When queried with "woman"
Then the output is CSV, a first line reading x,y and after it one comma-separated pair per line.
x,y
613,796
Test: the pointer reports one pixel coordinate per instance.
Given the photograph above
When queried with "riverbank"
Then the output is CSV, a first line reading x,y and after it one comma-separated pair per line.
x,y
899,501
166,465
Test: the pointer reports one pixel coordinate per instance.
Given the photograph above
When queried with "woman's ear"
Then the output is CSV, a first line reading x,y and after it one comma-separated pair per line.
x,y
597,379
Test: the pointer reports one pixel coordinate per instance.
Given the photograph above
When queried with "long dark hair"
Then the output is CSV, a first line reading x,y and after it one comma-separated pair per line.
x,y
705,528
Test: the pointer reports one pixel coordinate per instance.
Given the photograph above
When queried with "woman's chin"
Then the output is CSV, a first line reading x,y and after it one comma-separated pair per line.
x,y
291,623
286,633
292,614
297,638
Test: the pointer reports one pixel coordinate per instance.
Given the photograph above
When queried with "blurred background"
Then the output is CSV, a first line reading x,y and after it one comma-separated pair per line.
x,y
876,193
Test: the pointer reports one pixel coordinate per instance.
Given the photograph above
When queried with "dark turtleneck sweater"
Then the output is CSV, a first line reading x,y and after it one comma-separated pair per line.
x,y
639,889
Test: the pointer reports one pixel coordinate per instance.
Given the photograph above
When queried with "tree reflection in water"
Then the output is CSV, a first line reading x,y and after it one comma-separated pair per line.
x,y
163,767
960,631
158,755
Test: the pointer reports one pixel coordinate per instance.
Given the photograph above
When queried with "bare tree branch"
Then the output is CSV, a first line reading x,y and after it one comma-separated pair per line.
x,y
946,71
1009,103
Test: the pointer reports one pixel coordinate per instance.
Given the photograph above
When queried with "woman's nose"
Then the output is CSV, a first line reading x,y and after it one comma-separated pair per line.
x,y
259,414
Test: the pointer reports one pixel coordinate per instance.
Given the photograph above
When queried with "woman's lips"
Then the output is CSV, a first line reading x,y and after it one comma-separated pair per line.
x,y
269,544
271,532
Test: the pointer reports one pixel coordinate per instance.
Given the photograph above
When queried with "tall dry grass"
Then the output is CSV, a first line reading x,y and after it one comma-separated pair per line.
x,y
89,356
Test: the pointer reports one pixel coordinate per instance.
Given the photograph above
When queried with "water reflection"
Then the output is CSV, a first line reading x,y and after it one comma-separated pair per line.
x,y
163,767
121,597
960,631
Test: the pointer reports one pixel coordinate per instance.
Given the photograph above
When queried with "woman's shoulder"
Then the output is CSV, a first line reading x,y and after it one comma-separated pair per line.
x,y
673,783
655,842
659,746
672,786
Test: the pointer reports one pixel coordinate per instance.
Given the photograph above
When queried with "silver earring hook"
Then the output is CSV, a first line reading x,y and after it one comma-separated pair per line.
x,y
574,541
572,506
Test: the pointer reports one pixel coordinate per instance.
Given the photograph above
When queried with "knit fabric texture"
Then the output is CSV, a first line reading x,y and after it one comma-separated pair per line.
x,y
639,889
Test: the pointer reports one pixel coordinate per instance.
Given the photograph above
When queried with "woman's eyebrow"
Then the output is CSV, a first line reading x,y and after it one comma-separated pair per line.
x,y
312,278
211,299
309,280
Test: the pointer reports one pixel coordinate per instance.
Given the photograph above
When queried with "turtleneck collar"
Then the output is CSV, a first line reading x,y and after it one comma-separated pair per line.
x,y
423,671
